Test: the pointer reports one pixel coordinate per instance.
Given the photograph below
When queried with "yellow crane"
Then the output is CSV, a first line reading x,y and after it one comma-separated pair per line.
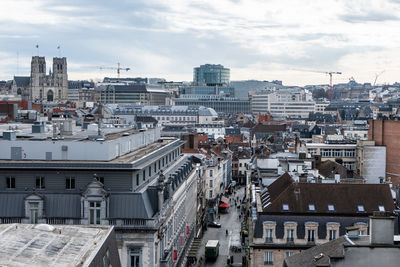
x,y
119,68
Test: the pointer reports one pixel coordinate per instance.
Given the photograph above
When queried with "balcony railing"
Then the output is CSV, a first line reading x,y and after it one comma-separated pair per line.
x,y
63,221
142,223
10,220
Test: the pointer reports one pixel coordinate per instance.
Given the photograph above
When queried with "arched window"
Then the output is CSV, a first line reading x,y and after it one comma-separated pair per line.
x,y
50,95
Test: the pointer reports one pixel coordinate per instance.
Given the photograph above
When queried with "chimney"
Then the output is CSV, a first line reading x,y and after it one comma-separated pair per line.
x,y
337,178
381,228
160,190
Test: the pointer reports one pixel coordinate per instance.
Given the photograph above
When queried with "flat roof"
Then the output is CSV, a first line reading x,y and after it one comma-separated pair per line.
x,y
212,243
45,245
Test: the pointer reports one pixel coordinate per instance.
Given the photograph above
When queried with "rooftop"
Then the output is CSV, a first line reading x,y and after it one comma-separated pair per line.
x,y
45,245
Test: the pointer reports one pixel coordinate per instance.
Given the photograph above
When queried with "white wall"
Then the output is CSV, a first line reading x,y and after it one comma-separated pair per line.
x,y
79,150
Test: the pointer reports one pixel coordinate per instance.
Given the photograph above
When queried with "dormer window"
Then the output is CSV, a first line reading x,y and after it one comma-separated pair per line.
x,y
360,208
381,208
331,208
285,207
311,207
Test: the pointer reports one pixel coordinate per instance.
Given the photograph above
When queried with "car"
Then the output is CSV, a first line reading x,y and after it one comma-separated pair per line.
x,y
214,225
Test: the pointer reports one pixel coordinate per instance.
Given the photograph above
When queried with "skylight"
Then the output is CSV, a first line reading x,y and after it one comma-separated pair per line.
x,y
331,208
381,208
360,208
285,206
311,207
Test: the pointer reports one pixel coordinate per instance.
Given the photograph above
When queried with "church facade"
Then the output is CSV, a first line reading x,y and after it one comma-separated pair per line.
x,y
48,87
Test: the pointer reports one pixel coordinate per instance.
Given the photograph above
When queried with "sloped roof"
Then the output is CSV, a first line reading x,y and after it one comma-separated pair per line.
x,y
22,80
134,206
344,197
319,255
329,168
62,205
12,204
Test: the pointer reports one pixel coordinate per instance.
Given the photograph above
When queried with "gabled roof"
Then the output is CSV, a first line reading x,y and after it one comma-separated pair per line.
x,y
344,197
319,255
22,80
329,168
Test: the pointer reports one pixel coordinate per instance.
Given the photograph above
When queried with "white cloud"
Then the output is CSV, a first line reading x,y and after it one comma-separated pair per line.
x,y
263,39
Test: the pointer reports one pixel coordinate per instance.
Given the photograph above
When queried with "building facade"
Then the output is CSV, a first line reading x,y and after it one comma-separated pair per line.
x,y
51,87
133,180
211,74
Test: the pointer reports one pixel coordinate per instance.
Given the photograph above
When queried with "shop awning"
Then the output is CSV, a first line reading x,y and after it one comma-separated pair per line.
x,y
225,199
224,205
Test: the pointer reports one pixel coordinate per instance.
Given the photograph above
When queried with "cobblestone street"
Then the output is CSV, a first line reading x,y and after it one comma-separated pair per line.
x,y
229,221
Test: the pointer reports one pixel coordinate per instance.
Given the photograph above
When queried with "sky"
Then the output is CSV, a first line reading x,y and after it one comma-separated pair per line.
x,y
284,40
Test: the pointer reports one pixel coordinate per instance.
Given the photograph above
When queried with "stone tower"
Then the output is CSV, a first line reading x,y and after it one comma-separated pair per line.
x,y
38,77
51,87
60,78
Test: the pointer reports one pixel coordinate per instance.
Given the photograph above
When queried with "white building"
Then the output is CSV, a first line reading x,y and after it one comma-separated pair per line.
x,y
283,103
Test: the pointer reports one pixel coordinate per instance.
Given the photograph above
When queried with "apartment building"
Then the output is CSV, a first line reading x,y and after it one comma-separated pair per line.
x,y
283,103
133,180
289,217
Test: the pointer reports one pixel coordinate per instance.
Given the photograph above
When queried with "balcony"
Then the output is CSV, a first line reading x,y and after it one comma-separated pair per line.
x,y
10,220
132,223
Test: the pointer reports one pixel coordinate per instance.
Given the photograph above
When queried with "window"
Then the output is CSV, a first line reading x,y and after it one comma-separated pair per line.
x,y
268,235
288,254
106,259
69,182
285,207
289,235
381,208
311,207
149,171
135,257
311,233
211,183
137,179
144,175
10,182
94,212
40,182
268,258
100,179
332,234
33,212
211,194
240,164
211,173
360,208
331,208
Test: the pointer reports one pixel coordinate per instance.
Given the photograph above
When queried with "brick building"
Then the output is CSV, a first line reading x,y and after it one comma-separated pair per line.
x,y
386,133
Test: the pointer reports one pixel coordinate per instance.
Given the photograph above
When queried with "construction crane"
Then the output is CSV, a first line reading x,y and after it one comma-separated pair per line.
x,y
330,78
119,68
377,75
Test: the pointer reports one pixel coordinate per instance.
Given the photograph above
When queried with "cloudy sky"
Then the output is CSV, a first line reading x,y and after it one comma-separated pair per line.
x,y
256,39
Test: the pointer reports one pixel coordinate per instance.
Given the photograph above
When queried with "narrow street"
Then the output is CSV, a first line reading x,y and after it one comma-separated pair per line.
x,y
228,221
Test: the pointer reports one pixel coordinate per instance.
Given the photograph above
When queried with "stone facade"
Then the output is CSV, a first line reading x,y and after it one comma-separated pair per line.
x,y
51,87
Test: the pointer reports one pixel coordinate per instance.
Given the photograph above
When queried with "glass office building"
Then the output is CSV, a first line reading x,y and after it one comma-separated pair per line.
x,y
211,74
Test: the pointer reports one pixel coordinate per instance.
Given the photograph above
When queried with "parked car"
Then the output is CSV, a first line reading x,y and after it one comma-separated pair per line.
x,y
214,225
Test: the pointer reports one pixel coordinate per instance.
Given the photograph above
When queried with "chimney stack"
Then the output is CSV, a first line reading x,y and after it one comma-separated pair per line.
x,y
381,228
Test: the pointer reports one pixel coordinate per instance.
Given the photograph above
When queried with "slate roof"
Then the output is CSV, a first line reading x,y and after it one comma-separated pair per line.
x,y
22,81
301,220
319,255
12,204
344,197
268,128
329,168
62,205
130,206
